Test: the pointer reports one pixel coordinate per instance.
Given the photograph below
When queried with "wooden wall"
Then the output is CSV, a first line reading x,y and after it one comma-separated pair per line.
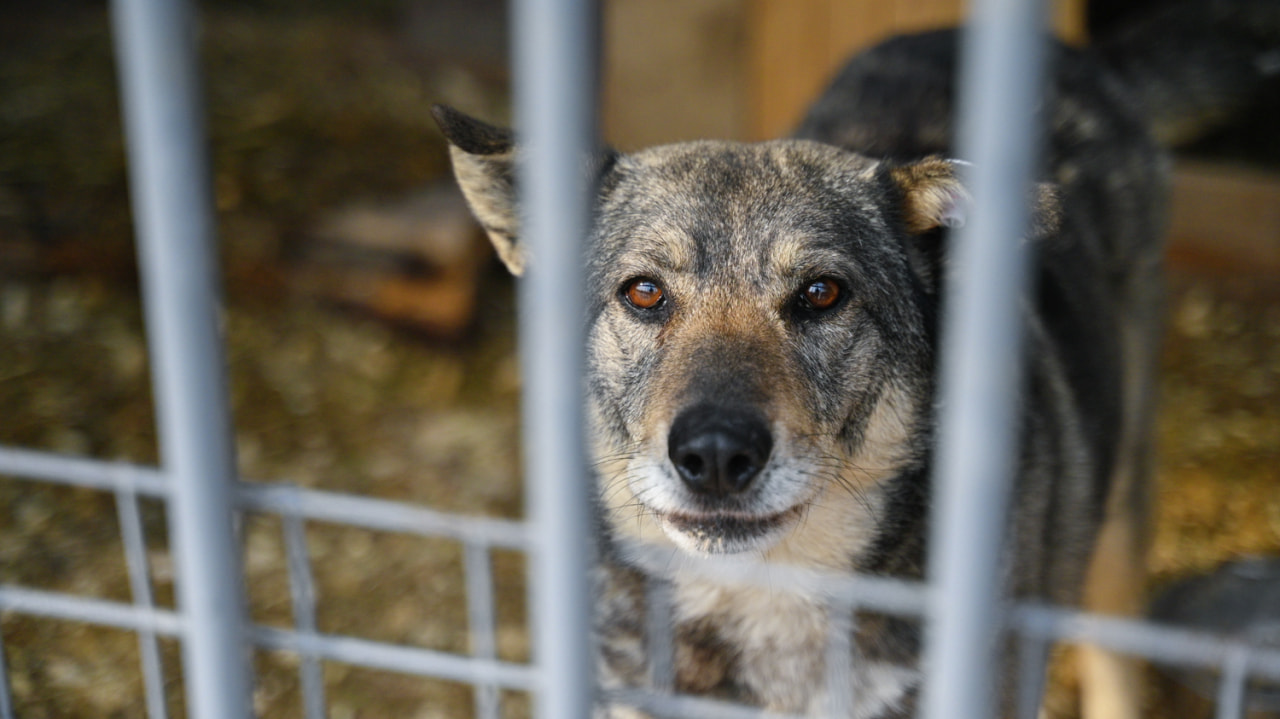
x,y
747,69
796,45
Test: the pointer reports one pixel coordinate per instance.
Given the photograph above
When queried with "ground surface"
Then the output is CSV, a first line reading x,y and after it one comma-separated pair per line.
x,y
307,113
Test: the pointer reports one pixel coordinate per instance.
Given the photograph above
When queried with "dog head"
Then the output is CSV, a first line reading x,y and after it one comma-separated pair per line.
x,y
760,333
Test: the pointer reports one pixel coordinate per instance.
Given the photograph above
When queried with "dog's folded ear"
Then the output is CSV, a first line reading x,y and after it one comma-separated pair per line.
x,y
932,198
484,164
931,195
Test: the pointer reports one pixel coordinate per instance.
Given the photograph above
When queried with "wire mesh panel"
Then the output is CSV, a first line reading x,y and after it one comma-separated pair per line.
x,y
156,50
963,612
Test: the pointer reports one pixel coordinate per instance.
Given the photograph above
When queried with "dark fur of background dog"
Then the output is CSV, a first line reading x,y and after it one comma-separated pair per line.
x,y
762,349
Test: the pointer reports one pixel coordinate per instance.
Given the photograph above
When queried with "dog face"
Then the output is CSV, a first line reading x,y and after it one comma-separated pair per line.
x,y
760,334
752,363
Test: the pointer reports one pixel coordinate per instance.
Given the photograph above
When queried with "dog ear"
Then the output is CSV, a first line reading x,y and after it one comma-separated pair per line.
x,y
484,165
933,199
931,195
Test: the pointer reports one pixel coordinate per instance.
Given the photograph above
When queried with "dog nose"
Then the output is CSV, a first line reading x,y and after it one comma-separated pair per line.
x,y
717,451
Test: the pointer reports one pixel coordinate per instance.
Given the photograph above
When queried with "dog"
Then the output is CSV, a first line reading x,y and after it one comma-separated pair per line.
x,y
763,322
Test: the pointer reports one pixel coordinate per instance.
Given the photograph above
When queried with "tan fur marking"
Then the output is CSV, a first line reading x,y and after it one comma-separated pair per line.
x,y
1111,684
786,254
700,665
928,187
675,249
840,521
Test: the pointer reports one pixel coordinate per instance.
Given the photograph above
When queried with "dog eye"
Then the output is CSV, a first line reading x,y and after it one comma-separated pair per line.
x,y
643,293
820,294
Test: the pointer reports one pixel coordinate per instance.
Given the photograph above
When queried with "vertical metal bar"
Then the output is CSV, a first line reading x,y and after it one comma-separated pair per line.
x,y
480,614
555,81
1033,663
302,590
1000,76
1232,686
6,695
839,659
135,554
172,204
659,632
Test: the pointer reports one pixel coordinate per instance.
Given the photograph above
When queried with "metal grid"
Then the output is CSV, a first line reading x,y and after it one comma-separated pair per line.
x,y
555,101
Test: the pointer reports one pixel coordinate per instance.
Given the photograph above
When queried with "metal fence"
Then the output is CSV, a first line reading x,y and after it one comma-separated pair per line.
x,y
554,57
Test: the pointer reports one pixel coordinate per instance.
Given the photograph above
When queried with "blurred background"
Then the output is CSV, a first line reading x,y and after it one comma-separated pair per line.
x,y
370,333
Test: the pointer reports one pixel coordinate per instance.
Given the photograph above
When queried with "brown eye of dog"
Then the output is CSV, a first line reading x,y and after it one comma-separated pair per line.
x,y
821,294
643,294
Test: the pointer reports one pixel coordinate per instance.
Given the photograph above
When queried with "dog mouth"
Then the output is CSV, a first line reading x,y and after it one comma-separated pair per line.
x,y
727,533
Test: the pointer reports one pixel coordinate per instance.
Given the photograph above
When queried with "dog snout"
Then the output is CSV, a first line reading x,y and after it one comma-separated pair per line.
x,y
718,451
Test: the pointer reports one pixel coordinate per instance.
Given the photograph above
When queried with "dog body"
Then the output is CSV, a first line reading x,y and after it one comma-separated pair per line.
x,y
736,236
762,349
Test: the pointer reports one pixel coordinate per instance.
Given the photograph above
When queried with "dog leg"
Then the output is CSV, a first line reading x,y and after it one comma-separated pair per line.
x,y
1111,684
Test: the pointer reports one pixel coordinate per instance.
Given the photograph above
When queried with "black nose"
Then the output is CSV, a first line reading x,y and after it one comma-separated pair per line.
x,y
717,450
